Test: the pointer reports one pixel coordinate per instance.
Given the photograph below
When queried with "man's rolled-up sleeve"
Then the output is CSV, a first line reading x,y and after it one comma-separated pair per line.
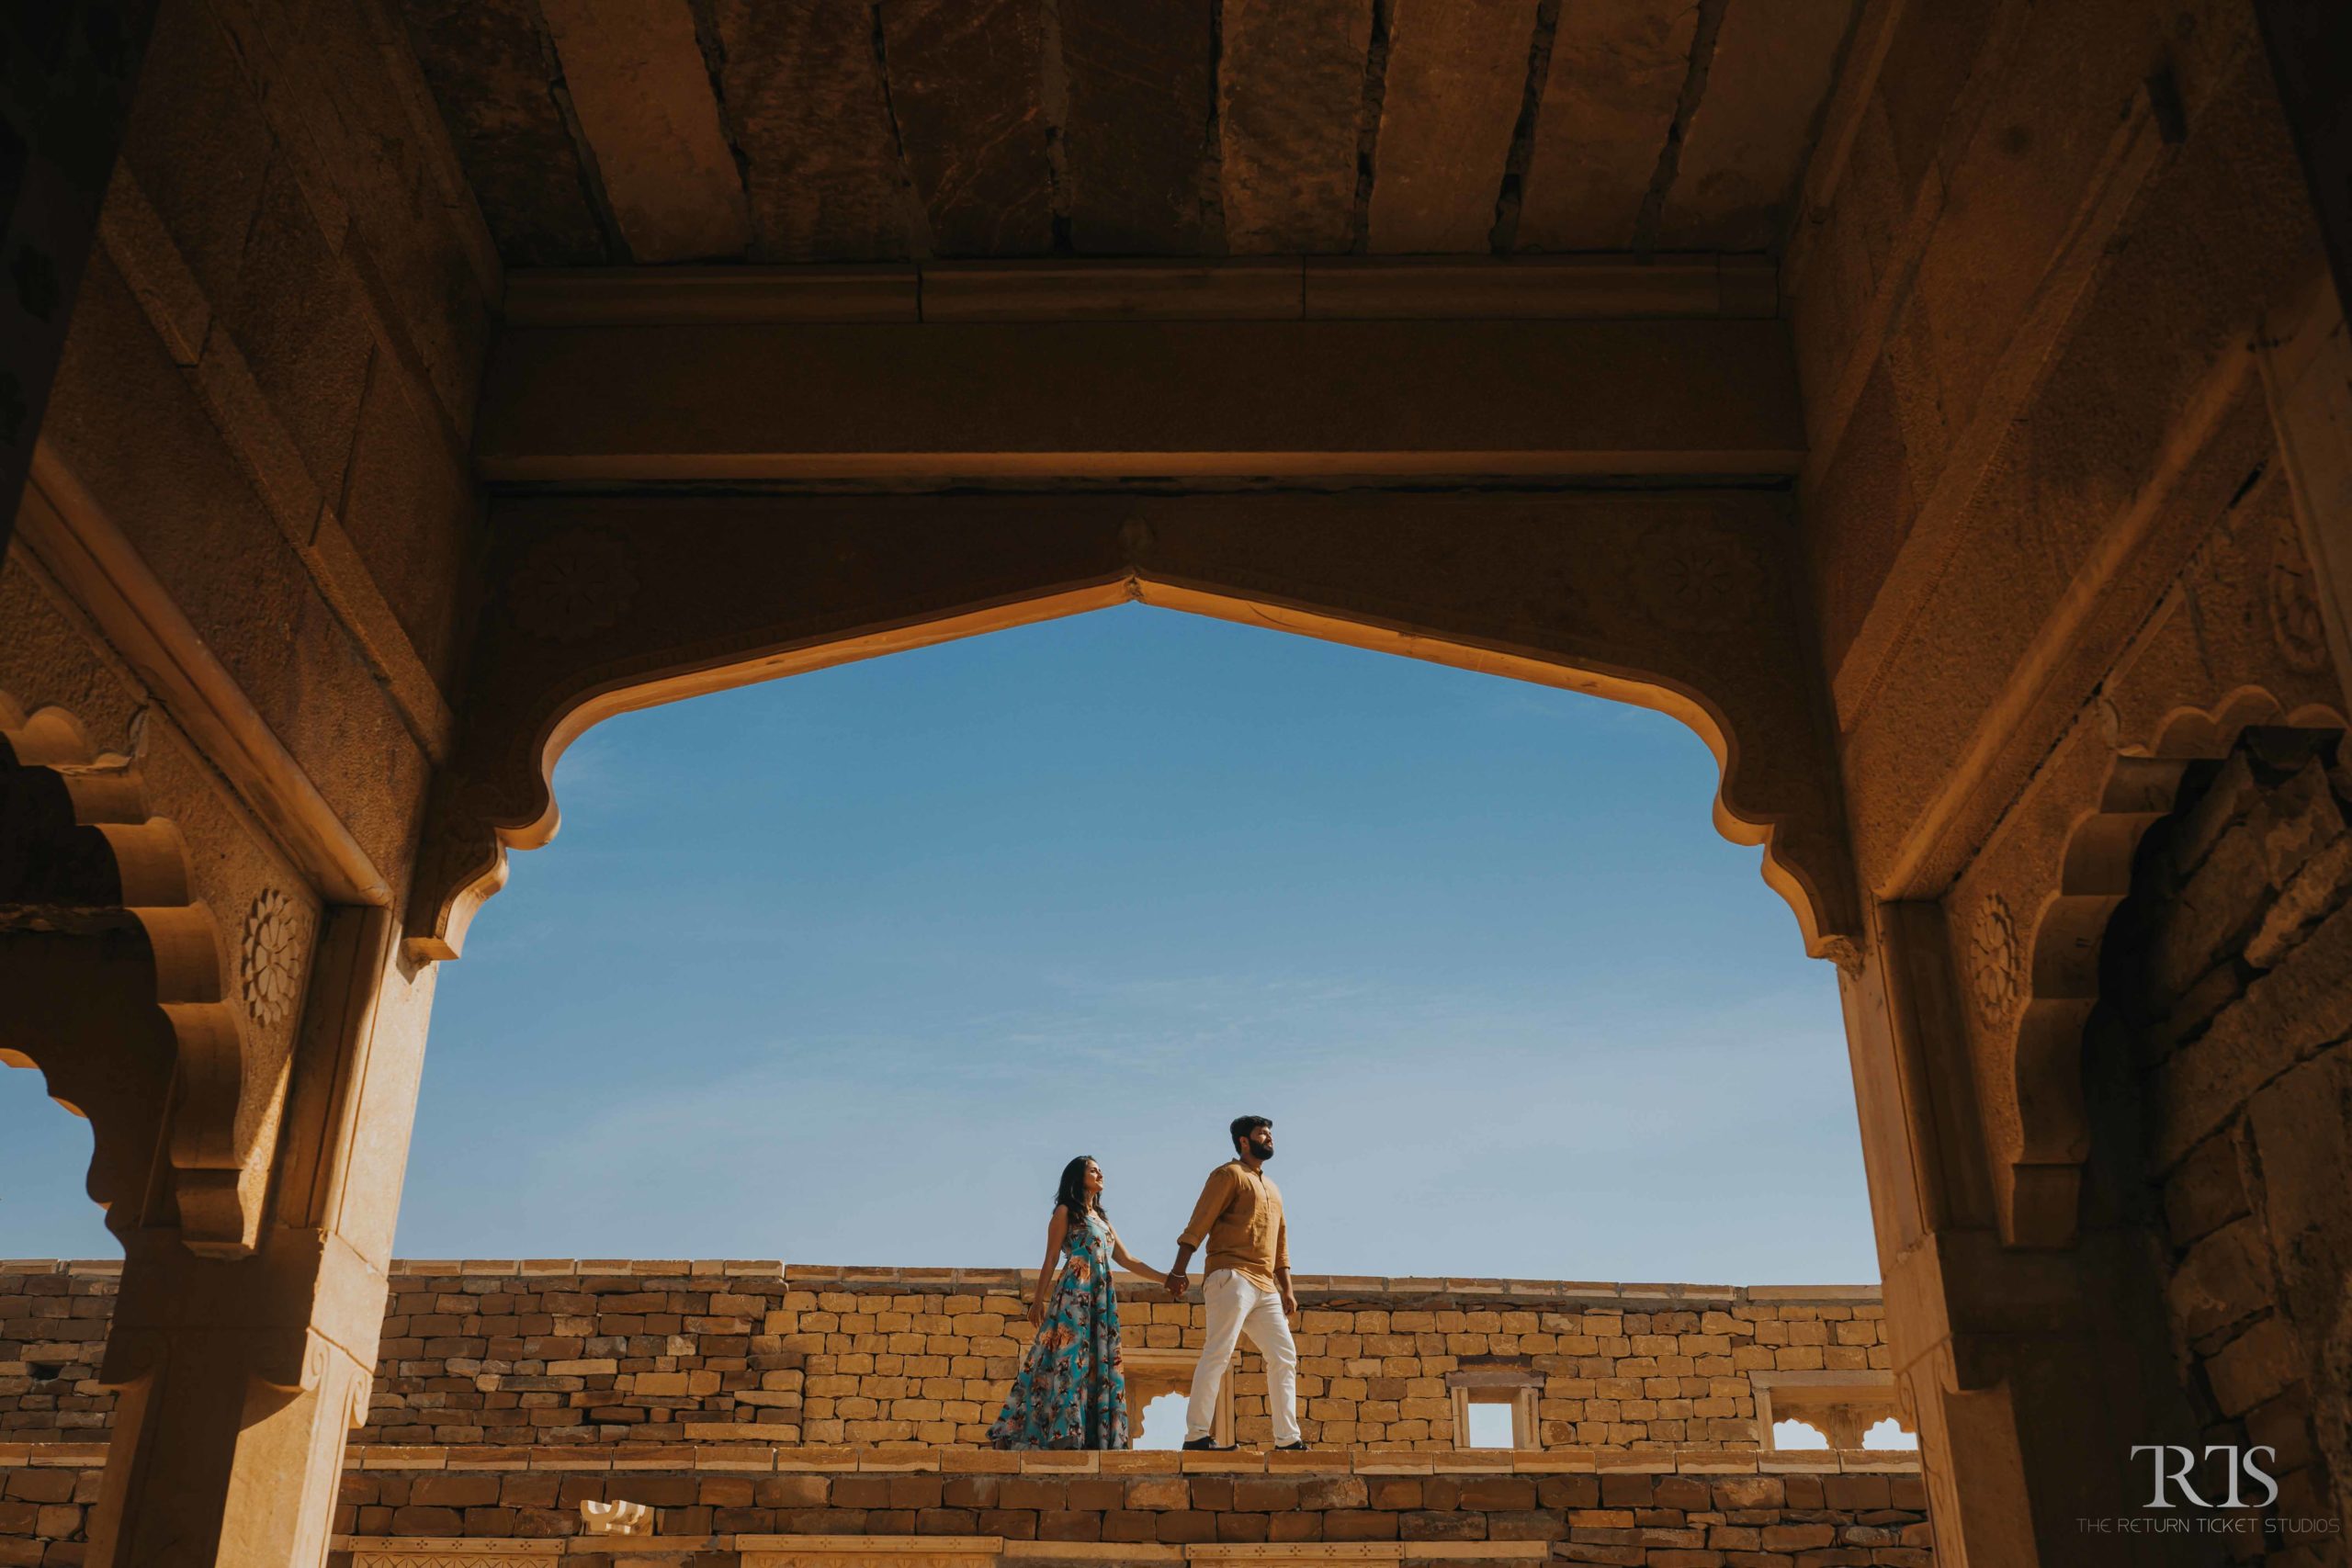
x,y
1215,1193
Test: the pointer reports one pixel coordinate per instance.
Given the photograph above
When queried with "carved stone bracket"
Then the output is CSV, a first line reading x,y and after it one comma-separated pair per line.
x,y
1682,602
156,1030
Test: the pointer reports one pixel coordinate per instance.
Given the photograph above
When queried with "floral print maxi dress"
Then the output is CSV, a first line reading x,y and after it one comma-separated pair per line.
x,y
1071,1393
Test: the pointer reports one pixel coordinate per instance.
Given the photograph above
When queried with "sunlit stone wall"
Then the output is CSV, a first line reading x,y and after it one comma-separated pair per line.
x,y
610,1351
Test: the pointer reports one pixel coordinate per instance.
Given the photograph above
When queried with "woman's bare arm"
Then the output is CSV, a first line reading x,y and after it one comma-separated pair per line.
x,y
1055,1230
1128,1260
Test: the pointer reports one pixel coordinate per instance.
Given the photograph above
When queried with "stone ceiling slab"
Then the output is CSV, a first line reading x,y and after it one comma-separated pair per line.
x,y
1142,83
1746,140
1616,74
644,101
1457,71
966,85
807,104
1290,90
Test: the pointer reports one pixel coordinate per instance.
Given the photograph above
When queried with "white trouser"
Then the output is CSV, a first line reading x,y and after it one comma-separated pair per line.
x,y
1238,1306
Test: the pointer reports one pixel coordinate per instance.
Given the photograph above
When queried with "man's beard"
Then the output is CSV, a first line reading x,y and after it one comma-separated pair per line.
x,y
1264,1154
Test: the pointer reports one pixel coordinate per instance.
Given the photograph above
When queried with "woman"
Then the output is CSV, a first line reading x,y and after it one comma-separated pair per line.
x,y
1070,1394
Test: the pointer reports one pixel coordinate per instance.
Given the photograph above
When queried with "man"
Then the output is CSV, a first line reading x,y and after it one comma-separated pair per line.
x,y
1247,1285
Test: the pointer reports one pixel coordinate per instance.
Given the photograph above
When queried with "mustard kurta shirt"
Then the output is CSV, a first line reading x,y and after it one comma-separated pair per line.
x,y
1240,1216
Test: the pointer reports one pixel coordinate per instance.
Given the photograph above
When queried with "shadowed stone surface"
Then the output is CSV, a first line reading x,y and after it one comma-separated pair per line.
x,y
966,85
1290,85
1769,71
1457,71
805,102
1616,74
1137,131
643,96
488,63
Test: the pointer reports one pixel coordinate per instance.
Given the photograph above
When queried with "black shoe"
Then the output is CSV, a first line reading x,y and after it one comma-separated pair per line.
x,y
1209,1445
1290,1448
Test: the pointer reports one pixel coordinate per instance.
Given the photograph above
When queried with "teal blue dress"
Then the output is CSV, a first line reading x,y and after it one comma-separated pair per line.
x,y
1071,1393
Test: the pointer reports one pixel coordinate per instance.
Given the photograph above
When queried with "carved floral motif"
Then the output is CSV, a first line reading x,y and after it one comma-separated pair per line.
x,y
269,966
1689,578
573,585
1996,960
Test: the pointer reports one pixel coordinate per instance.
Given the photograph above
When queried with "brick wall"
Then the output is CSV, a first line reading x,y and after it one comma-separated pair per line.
x,y
2232,980
605,1352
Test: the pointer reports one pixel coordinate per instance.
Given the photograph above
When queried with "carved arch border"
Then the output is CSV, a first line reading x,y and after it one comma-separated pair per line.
x,y
2057,963
1666,601
146,883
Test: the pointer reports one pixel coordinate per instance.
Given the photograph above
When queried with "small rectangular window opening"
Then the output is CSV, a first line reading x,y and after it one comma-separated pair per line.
x,y
1495,1408
1490,1420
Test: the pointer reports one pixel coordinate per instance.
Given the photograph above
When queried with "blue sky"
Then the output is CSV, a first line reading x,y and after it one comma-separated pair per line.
x,y
842,968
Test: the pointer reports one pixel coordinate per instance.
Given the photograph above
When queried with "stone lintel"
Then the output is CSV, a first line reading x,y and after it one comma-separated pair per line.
x,y
1103,399
1313,289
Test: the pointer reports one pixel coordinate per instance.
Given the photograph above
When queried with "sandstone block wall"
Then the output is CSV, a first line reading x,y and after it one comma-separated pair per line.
x,y
53,1321
557,1352
2234,986
1692,1511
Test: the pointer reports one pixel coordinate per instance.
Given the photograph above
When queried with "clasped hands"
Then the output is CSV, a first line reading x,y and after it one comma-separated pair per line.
x,y
1179,1283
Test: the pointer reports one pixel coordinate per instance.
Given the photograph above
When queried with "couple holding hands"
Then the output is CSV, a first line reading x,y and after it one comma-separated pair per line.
x,y
1071,1393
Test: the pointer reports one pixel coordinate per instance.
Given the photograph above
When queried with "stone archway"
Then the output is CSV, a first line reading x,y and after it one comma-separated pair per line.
x,y
1684,602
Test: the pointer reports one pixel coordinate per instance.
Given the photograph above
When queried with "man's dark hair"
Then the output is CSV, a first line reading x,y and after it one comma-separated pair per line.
x,y
1245,1125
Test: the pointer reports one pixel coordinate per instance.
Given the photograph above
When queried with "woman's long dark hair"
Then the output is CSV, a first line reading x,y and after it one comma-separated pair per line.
x,y
1072,1194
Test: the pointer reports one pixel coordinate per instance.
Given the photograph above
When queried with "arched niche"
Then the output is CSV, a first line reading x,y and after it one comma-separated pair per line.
x,y
2228,648
1682,602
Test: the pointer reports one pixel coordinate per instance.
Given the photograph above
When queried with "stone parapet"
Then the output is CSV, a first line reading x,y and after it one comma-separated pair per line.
x,y
593,1351
853,1277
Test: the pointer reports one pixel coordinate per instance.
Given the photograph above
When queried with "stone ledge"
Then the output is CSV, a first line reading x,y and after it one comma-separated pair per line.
x,y
1631,1296
1235,288
1639,1296
760,1460
914,1549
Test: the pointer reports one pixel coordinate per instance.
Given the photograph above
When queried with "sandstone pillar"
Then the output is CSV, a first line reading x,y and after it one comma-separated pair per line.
x,y
2031,1373
240,1379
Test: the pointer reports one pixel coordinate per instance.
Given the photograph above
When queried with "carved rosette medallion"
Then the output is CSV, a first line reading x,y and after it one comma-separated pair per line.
x,y
1995,960
1691,577
570,586
2295,622
269,961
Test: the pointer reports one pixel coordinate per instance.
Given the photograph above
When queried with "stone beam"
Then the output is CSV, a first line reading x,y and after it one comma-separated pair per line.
x,y
590,401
